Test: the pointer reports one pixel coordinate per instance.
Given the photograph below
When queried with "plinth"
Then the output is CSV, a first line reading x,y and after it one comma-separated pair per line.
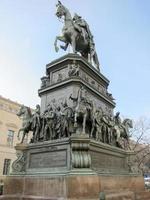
x,y
80,160
72,168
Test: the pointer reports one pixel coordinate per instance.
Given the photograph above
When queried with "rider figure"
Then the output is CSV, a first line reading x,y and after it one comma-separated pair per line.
x,y
81,97
117,120
82,27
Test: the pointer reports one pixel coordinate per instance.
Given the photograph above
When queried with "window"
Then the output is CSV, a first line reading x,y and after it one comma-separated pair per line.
x,y
1,189
1,186
6,167
10,138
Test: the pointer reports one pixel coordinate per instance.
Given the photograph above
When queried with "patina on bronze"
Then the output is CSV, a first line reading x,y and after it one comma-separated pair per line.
x,y
60,121
76,32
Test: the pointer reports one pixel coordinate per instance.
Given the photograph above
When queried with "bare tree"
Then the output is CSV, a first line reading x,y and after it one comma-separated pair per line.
x,y
140,142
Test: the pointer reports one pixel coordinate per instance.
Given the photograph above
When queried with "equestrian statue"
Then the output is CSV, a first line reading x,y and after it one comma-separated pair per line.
x,y
25,113
76,32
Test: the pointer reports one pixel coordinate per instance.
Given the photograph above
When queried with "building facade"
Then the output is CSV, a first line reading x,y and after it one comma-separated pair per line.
x,y
9,126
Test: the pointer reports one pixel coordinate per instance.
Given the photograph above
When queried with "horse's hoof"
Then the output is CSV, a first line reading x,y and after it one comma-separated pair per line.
x,y
63,47
56,49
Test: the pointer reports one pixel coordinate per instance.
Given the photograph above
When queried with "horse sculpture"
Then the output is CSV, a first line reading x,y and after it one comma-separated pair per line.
x,y
26,115
70,35
82,109
122,131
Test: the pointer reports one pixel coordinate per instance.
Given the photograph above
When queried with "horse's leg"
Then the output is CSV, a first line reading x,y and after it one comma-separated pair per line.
x,y
35,135
84,123
118,135
85,55
64,47
21,129
75,120
23,136
73,42
96,61
62,39
92,130
90,57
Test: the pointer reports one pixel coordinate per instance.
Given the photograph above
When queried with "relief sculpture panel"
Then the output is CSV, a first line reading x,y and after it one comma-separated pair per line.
x,y
59,75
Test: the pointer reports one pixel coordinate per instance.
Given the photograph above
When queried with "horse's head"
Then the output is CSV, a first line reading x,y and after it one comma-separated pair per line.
x,y
24,110
21,111
128,123
61,10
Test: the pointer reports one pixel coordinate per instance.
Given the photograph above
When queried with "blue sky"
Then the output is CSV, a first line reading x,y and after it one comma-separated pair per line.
x,y
121,30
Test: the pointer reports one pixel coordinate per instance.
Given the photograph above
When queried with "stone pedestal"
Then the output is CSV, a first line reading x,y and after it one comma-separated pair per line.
x,y
73,168
67,74
73,187
80,162
75,155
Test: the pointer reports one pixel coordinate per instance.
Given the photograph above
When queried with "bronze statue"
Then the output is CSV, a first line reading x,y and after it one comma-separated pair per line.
x,y
36,124
58,123
121,130
26,115
60,120
76,32
82,27
96,131
49,117
83,107
73,70
67,120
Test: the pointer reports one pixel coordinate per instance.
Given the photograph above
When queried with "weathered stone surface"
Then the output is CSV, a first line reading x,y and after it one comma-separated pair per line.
x,y
55,187
117,183
31,197
126,195
33,186
14,186
143,195
83,187
72,187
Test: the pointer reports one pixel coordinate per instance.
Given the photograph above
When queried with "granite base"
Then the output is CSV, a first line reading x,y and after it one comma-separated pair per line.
x,y
73,187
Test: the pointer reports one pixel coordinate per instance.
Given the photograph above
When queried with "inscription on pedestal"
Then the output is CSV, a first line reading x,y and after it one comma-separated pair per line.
x,y
104,161
49,159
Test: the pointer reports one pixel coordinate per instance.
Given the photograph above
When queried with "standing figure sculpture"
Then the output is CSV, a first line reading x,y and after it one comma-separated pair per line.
x,y
36,124
49,123
96,131
26,115
58,123
77,33
67,120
